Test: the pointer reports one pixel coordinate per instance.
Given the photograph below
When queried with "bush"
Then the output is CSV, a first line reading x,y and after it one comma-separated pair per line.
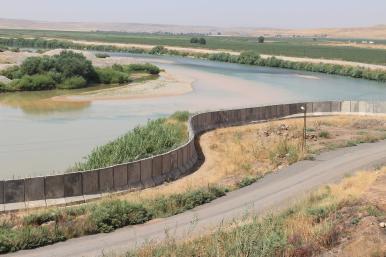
x,y
101,55
157,136
249,57
147,67
114,214
111,76
202,41
260,39
34,83
72,83
324,134
12,72
28,238
182,116
178,203
158,50
194,40
6,88
247,181
40,218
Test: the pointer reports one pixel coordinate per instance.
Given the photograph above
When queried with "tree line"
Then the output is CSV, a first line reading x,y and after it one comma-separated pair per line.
x,y
246,57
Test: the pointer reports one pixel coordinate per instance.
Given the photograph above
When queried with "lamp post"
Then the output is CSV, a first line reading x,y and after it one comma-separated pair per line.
x,y
304,109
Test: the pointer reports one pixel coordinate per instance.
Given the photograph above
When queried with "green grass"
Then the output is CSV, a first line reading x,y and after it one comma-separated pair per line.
x,y
156,137
286,47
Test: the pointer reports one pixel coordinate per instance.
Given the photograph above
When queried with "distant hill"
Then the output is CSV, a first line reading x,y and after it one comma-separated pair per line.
x,y
374,32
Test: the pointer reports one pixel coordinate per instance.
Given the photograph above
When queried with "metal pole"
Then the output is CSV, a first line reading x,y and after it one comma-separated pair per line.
x,y
305,129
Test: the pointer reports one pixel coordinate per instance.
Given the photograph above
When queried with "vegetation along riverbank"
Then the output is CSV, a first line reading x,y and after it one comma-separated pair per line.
x,y
248,57
67,70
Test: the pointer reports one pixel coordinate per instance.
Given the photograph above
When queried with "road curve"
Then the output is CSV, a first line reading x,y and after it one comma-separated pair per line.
x,y
273,191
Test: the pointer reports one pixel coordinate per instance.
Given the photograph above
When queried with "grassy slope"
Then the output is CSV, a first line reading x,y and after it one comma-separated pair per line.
x,y
285,47
329,218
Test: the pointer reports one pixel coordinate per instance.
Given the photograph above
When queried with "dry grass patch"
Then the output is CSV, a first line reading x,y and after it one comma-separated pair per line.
x,y
241,154
333,221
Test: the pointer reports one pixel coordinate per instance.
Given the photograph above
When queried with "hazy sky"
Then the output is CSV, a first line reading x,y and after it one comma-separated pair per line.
x,y
253,13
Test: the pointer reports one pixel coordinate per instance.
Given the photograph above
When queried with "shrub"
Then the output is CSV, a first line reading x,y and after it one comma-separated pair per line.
x,y
12,72
101,55
114,214
260,39
194,40
324,134
157,136
72,83
248,57
177,203
202,41
158,50
147,67
34,83
182,116
6,88
319,213
111,76
40,218
247,181
28,238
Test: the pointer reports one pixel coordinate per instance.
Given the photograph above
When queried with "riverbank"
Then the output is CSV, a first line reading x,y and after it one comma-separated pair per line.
x,y
211,51
167,84
99,216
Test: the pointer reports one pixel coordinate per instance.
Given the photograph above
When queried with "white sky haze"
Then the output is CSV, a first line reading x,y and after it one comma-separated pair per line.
x,y
224,13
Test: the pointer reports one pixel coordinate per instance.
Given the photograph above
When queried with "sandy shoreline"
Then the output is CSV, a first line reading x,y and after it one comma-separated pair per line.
x,y
166,85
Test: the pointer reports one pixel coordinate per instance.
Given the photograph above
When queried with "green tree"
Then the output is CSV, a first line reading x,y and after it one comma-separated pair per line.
x,y
202,41
194,40
260,39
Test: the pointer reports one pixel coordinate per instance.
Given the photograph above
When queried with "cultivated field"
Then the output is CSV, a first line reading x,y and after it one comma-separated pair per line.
x,y
295,47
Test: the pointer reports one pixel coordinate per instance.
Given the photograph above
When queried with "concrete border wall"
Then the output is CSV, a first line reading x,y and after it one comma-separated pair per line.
x,y
164,167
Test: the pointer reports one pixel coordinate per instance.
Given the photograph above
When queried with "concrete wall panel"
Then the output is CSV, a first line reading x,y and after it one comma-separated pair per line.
x,y
379,107
336,106
120,177
54,186
321,107
90,180
354,106
34,189
366,107
158,178
180,162
73,184
14,191
106,180
134,174
146,172
1,192
166,164
174,160
346,106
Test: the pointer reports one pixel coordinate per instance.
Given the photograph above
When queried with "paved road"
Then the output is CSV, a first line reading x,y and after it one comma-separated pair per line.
x,y
273,191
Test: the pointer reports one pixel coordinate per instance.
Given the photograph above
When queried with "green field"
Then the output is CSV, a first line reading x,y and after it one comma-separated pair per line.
x,y
297,47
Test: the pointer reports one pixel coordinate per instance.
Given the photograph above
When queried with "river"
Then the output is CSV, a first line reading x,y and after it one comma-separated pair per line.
x,y
46,138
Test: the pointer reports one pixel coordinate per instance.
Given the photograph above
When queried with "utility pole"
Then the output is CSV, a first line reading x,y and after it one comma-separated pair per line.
x,y
304,109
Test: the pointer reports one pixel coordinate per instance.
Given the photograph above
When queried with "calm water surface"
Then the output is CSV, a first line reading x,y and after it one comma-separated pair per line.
x,y
40,137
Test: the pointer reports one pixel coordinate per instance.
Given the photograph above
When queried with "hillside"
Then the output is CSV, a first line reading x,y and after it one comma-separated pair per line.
x,y
375,32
